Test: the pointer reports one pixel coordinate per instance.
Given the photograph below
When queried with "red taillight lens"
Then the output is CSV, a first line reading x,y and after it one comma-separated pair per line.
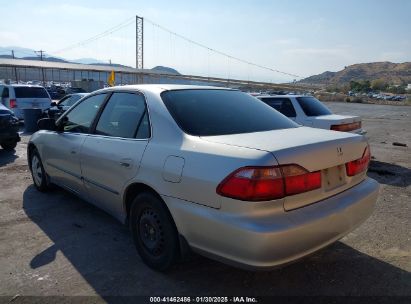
x,y
298,180
347,127
268,183
360,165
13,103
253,184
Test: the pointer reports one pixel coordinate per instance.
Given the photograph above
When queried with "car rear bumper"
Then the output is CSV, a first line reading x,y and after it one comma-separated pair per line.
x,y
266,241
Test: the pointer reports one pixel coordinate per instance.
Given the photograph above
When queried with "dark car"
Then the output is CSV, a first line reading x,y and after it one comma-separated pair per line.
x,y
61,106
75,90
9,127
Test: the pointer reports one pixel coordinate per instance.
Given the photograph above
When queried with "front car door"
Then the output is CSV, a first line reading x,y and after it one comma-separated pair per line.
x,y
62,151
111,155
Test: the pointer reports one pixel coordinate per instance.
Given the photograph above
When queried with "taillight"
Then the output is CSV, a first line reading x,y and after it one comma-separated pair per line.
x,y
360,165
347,127
268,183
299,180
13,103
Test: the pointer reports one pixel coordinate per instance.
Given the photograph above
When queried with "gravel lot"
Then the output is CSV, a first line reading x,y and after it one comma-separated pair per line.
x,y
56,244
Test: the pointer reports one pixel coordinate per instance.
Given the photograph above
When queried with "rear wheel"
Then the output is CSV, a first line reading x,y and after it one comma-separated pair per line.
x,y
154,232
37,172
10,145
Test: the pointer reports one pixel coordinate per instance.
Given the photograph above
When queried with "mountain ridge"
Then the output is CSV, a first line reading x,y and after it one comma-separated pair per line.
x,y
392,73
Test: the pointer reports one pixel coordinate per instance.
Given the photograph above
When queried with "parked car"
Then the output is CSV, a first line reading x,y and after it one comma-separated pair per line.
x,y
71,90
207,168
18,97
309,111
55,92
9,127
59,107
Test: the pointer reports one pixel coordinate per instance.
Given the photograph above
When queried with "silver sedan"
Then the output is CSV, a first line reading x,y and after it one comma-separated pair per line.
x,y
210,169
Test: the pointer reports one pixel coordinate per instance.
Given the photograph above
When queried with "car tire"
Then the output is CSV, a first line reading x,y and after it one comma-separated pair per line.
x,y
38,173
8,146
154,232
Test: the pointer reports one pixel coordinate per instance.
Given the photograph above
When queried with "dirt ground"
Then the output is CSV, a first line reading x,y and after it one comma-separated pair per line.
x,y
56,244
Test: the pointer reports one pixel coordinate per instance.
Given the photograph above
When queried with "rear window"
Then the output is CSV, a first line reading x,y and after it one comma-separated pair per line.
x,y
312,106
222,112
30,92
282,105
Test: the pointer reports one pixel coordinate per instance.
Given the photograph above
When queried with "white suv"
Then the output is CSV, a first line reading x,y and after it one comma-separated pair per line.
x,y
19,97
309,111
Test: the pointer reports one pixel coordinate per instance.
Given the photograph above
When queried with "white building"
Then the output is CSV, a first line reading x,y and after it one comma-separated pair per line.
x,y
409,87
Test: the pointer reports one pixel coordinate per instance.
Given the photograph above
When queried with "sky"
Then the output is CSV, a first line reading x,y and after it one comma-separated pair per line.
x,y
298,37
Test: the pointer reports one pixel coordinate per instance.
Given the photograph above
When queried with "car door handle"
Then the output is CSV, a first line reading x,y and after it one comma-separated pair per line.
x,y
124,164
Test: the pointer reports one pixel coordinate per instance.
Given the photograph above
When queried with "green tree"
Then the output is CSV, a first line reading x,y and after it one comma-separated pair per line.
x,y
379,85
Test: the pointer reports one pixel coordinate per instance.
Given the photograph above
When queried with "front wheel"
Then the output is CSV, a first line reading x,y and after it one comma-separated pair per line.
x,y
37,172
154,232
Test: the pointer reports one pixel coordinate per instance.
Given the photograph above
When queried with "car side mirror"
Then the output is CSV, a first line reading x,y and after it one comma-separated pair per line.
x,y
48,124
53,104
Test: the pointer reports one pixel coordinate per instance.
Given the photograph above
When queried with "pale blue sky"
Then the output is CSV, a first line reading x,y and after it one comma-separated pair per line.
x,y
300,37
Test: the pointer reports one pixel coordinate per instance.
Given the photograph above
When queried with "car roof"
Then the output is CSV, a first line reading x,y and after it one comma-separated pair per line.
x,y
281,96
25,85
162,87
78,94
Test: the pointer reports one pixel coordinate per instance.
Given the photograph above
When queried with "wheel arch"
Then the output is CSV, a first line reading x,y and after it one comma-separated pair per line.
x,y
30,148
132,191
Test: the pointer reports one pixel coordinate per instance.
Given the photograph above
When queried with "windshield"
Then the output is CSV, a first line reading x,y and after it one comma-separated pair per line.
x,y
222,112
313,107
70,100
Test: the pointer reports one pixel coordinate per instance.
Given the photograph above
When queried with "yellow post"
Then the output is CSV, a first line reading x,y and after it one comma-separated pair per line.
x,y
111,79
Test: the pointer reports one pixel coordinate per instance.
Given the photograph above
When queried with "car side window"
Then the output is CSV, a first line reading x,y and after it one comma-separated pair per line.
x,y
125,115
282,105
5,93
63,101
79,119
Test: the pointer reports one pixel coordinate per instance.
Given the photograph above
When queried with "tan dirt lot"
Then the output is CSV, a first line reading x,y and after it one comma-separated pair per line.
x,y
56,244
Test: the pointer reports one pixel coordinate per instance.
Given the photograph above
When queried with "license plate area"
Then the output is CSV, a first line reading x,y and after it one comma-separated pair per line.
x,y
334,177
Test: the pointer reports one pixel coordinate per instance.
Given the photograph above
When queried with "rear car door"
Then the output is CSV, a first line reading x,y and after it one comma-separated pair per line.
x,y
111,156
62,150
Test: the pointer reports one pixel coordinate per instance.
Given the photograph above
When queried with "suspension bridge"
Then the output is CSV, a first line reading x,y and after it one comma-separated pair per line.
x,y
131,46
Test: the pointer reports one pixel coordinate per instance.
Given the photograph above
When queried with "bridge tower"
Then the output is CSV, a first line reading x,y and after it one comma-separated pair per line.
x,y
139,42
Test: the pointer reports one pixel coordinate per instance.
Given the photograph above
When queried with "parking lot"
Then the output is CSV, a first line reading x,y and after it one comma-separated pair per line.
x,y
56,244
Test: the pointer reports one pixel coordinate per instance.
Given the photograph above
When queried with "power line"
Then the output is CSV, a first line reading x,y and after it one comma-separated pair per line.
x,y
132,20
98,36
219,52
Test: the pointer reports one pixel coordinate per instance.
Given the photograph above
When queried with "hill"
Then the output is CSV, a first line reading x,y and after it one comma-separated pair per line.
x,y
393,73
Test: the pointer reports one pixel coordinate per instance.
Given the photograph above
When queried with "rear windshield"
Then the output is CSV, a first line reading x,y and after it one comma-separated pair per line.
x,y
30,92
222,112
312,106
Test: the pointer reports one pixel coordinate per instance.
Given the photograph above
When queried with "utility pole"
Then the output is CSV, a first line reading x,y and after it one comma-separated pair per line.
x,y
42,69
15,69
139,42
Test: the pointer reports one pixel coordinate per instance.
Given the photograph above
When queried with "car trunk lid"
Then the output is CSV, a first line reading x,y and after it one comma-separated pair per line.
x,y
338,119
313,149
